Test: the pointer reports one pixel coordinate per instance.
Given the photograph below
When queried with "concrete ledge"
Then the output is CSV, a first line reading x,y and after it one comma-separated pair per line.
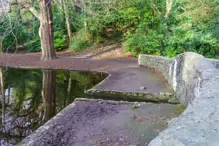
x,y
37,135
134,96
195,80
134,84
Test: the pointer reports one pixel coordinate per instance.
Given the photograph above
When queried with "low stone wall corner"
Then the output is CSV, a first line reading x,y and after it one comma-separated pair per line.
x,y
195,79
184,73
158,63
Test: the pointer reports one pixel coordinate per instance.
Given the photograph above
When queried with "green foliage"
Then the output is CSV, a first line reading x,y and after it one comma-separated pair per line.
x,y
145,41
60,41
60,37
82,40
33,39
17,31
148,37
98,40
13,33
192,40
79,44
192,26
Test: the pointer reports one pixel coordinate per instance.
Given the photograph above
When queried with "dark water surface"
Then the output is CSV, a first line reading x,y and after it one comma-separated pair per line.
x,y
29,98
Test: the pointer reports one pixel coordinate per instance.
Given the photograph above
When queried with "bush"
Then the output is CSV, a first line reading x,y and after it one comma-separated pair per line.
x,y
182,31
13,34
60,41
149,43
34,45
79,44
81,41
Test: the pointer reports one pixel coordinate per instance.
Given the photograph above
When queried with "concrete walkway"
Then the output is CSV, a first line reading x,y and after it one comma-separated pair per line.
x,y
98,123
134,79
134,83
103,123
124,76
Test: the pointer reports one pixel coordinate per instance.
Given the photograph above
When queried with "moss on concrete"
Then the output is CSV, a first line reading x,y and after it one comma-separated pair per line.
x,y
141,97
179,109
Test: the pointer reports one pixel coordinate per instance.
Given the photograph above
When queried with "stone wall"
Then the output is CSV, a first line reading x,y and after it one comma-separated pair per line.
x,y
195,80
158,63
183,73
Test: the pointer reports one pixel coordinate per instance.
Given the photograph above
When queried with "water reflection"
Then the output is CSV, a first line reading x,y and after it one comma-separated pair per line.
x,y
48,93
29,98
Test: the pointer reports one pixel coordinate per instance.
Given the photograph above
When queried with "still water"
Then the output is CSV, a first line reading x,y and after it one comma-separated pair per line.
x,y
29,98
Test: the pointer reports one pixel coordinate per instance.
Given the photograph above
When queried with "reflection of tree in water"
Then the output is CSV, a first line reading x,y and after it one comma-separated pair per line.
x,y
2,91
32,97
71,85
22,90
48,93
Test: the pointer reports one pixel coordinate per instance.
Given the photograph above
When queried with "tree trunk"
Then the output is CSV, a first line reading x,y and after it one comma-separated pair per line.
x,y
46,31
49,94
169,5
67,21
1,46
84,13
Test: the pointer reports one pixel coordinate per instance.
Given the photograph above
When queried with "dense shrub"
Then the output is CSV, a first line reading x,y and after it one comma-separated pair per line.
x,y
82,40
192,26
13,34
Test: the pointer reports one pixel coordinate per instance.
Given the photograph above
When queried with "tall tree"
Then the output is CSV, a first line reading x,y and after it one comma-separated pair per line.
x,y
46,32
67,21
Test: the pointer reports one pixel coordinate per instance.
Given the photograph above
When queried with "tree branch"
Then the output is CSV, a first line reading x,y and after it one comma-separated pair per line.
x,y
28,7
